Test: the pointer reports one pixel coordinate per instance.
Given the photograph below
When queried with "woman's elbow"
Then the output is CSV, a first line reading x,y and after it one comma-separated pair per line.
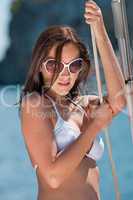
x,y
52,179
54,182
119,105
122,103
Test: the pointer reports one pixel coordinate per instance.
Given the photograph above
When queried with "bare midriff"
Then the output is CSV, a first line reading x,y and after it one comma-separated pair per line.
x,y
83,184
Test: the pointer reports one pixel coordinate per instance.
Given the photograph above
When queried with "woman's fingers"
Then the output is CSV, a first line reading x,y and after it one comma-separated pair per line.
x,y
92,8
102,111
91,18
92,12
91,15
91,4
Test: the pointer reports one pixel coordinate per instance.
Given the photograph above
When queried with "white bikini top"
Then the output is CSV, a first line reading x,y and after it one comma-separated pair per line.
x,y
66,132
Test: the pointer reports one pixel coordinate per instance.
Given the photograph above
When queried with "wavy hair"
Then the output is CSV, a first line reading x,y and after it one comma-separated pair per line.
x,y
59,36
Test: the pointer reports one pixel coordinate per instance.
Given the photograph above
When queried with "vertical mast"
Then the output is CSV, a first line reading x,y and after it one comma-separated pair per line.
x,y
122,35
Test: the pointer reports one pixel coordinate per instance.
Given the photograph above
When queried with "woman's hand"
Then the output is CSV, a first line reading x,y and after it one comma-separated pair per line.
x,y
101,114
93,16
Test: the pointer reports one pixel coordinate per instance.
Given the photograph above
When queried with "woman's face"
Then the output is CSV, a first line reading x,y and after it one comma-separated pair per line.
x,y
69,53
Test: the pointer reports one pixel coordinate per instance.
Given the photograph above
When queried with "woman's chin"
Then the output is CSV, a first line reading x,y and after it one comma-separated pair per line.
x,y
62,93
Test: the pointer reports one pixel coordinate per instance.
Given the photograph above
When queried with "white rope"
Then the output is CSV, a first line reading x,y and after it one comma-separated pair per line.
x,y
99,86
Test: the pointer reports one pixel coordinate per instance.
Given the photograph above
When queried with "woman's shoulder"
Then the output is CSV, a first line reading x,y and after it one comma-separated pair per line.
x,y
36,102
34,98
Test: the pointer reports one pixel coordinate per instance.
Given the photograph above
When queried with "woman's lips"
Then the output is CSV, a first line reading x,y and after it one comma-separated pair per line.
x,y
64,84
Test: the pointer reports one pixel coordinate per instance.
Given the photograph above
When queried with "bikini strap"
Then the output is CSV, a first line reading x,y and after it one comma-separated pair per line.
x,y
80,108
53,103
57,112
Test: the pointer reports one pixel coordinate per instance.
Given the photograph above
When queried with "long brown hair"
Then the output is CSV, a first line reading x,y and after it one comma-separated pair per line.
x,y
59,36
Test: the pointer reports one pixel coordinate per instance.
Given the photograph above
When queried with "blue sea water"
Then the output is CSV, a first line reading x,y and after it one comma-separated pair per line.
x,y
18,178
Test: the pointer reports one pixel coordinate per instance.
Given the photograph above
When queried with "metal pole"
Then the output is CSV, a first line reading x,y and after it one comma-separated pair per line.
x,y
122,35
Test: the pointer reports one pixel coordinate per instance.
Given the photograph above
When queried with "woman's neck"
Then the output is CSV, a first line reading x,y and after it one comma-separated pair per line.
x,y
57,98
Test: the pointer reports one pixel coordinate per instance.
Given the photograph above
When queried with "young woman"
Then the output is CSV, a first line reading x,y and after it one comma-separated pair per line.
x,y
59,125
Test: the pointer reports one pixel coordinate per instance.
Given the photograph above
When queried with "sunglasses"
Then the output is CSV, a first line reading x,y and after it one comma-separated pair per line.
x,y
74,66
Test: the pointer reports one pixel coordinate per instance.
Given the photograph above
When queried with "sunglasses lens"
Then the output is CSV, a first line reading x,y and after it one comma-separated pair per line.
x,y
76,65
51,65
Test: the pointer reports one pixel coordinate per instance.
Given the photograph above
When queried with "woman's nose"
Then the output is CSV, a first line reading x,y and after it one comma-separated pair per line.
x,y
65,71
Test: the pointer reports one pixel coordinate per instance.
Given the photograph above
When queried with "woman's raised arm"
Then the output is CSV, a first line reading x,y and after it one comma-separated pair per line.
x,y
113,74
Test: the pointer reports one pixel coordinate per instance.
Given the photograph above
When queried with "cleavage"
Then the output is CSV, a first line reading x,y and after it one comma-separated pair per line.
x,y
68,114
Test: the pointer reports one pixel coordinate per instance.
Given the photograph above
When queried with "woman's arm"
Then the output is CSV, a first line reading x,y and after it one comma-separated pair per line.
x,y
38,134
113,74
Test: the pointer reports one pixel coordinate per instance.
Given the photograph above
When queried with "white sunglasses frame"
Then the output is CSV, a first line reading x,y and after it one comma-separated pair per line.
x,y
65,65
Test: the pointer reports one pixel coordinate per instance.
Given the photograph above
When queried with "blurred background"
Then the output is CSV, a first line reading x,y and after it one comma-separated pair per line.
x,y
21,22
